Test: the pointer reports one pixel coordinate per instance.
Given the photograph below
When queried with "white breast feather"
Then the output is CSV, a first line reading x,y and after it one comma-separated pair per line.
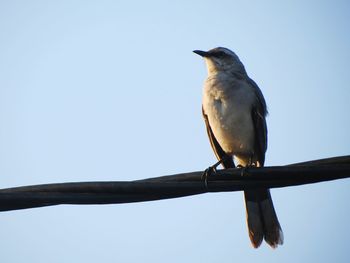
x,y
228,108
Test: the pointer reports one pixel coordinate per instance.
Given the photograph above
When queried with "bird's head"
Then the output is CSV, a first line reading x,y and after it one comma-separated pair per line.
x,y
221,59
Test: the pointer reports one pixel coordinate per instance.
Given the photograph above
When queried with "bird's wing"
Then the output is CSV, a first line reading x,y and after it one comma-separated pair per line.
x,y
219,152
259,112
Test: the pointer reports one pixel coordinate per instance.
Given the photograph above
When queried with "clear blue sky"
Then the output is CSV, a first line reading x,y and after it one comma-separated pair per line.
x,y
97,90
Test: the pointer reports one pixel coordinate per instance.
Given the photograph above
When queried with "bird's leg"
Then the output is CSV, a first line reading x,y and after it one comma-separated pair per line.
x,y
251,163
209,171
212,169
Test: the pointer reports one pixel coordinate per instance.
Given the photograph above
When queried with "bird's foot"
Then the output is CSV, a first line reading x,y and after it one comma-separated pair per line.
x,y
208,172
243,169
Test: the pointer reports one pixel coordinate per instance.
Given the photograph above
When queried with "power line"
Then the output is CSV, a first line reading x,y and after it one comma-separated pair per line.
x,y
174,186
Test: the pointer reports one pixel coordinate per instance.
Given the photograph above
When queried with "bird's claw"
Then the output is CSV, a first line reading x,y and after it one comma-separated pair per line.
x,y
208,172
243,168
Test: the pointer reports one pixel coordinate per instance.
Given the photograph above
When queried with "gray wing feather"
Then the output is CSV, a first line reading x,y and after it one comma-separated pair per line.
x,y
259,112
219,152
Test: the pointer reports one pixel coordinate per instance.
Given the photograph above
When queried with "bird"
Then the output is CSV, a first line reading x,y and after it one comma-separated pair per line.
x,y
234,112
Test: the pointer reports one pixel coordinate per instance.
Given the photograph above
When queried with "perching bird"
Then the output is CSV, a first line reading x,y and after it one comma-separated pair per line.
x,y
234,111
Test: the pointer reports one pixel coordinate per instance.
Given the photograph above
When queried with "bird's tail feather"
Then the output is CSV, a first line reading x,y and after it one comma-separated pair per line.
x,y
262,220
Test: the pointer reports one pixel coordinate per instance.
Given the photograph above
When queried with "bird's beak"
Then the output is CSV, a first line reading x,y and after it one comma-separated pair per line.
x,y
201,53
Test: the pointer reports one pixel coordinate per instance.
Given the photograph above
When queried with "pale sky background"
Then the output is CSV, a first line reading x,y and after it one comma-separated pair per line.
x,y
110,90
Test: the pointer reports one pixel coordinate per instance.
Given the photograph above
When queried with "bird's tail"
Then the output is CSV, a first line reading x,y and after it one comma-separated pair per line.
x,y
262,219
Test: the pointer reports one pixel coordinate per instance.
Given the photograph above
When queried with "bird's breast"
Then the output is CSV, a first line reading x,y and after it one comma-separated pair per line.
x,y
229,113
